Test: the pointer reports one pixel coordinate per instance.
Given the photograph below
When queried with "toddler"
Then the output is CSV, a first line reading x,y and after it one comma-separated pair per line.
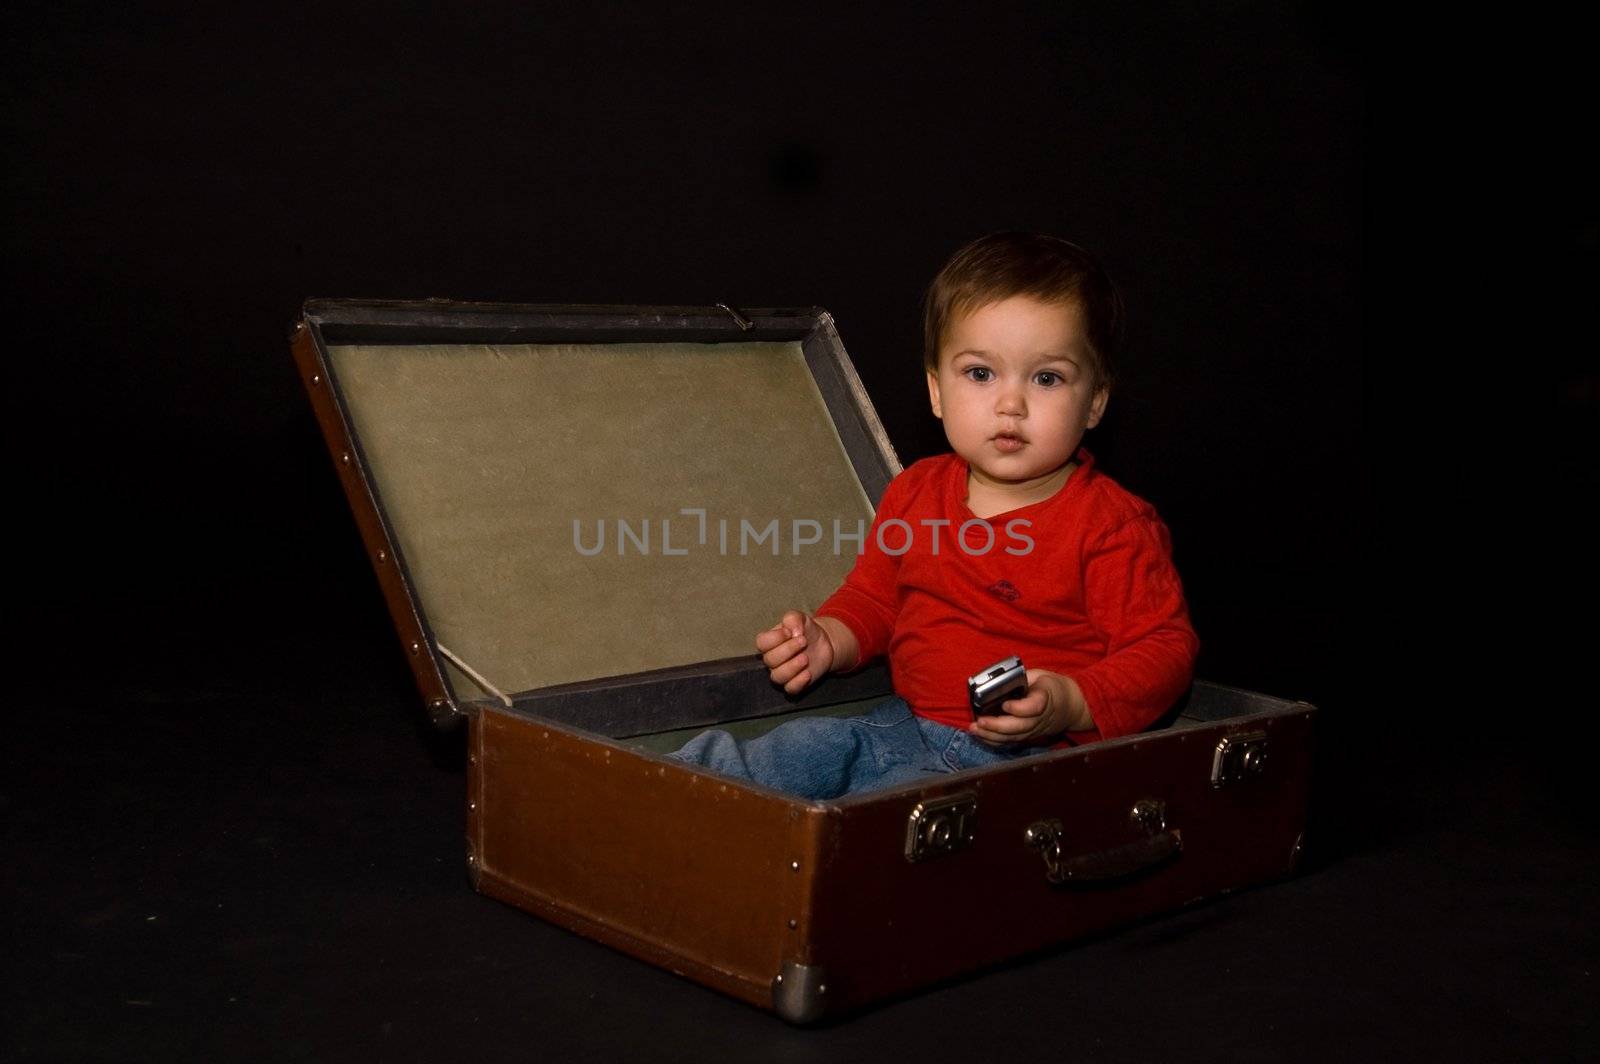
x,y
1014,544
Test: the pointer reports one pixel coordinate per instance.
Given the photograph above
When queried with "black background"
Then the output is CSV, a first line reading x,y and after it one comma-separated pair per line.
x,y
1357,392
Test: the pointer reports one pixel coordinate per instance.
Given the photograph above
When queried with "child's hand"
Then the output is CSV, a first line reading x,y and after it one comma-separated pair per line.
x,y
1052,704
798,650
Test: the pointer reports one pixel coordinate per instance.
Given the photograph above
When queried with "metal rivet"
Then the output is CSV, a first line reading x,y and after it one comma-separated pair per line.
x,y
794,866
383,555
345,458
472,805
779,979
793,924
822,988
472,760
416,647
316,378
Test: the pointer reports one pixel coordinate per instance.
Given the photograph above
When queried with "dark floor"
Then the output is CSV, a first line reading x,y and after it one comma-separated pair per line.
x,y
274,870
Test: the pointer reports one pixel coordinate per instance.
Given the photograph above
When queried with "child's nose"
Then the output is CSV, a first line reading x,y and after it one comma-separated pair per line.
x,y
1011,401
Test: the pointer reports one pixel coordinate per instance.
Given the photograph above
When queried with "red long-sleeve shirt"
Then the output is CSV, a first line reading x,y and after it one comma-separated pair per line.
x,y
1081,583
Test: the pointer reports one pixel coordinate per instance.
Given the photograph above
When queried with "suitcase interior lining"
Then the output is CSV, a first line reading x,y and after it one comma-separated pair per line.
x,y
500,467
667,741
1205,704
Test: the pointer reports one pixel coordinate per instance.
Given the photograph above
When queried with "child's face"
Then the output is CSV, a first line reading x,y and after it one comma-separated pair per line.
x,y
1013,390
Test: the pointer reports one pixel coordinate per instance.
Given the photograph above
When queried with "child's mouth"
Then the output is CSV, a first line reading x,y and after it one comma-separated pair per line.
x,y
1006,443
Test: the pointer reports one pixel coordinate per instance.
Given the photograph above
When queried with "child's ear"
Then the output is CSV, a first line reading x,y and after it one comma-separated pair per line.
x,y
933,394
1097,407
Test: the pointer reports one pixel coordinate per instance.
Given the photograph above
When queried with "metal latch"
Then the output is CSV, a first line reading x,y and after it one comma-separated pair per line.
x,y
1239,757
941,825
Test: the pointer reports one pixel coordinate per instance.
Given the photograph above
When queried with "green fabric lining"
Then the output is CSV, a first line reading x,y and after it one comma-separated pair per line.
x,y
484,455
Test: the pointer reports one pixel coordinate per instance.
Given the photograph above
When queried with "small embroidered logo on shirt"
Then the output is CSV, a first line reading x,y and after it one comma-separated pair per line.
x,y
1004,589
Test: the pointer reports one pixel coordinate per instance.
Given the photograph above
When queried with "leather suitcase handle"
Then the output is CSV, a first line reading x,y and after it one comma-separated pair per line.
x,y
1160,844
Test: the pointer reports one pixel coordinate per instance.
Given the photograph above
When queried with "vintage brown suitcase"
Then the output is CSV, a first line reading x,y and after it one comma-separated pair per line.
x,y
579,516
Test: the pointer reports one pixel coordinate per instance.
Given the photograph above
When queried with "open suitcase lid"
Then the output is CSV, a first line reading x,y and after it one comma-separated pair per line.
x,y
559,494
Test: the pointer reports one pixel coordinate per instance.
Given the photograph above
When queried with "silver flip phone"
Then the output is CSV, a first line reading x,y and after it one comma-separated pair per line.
x,y
1000,681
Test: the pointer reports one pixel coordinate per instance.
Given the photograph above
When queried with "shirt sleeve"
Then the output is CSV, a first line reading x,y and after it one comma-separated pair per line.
x,y
868,600
1135,600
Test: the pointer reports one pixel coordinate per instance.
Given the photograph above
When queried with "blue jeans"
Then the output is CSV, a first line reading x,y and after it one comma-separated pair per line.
x,y
826,757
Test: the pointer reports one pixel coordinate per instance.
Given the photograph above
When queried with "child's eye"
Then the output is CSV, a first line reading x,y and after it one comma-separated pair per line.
x,y
980,374
1048,379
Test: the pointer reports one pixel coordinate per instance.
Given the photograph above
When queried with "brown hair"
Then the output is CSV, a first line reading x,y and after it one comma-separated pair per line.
x,y
1052,270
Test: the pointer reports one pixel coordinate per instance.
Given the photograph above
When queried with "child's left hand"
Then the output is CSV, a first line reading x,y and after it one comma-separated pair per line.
x,y
1052,704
